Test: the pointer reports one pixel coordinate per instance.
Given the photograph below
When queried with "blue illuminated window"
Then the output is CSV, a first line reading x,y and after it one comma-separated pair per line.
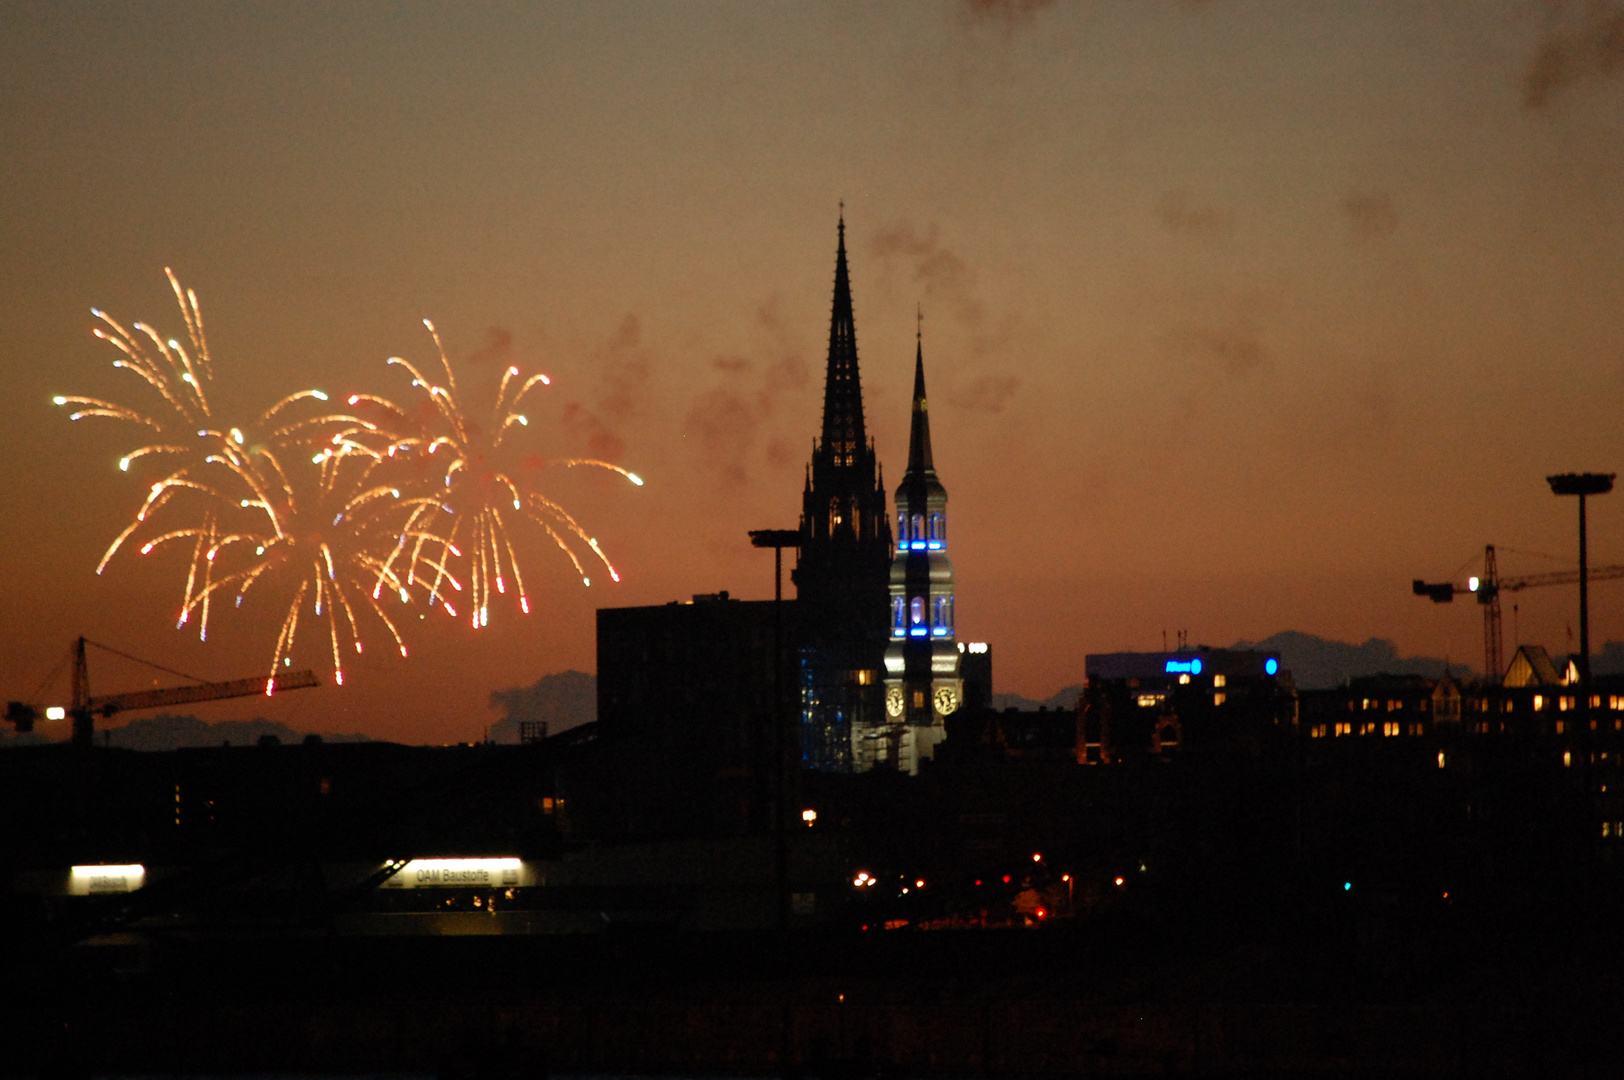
x,y
897,614
916,611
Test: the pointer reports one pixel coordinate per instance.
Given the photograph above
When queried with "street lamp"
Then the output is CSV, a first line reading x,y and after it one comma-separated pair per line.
x,y
778,540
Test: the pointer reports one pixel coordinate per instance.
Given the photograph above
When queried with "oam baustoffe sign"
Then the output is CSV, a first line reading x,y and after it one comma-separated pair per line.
x,y
491,873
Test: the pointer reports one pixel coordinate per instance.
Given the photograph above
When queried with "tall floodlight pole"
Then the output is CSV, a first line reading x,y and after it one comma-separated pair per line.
x,y
778,540
1583,485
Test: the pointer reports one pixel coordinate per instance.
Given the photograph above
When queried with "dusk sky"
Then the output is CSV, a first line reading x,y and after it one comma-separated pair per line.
x,y
1237,316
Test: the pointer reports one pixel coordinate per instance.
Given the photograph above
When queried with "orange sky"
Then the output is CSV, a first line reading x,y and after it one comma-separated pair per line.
x,y
1237,316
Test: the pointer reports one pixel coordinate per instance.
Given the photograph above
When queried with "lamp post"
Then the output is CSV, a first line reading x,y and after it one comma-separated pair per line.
x,y
778,540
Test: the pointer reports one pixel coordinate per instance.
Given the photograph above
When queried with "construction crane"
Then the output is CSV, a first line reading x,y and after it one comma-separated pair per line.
x,y
1488,588
85,708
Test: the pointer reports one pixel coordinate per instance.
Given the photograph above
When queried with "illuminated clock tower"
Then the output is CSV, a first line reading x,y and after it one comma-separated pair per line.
x,y
922,684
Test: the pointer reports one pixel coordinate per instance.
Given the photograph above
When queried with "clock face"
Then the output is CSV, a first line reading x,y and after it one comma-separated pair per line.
x,y
946,701
893,701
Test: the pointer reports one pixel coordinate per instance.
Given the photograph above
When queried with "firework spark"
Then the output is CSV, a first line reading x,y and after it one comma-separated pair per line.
x,y
482,497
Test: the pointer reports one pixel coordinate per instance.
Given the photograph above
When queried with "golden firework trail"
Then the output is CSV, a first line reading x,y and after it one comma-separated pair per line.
x,y
324,532
228,488
478,494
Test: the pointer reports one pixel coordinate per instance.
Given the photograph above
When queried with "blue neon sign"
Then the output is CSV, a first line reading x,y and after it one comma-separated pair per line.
x,y
1191,666
1270,666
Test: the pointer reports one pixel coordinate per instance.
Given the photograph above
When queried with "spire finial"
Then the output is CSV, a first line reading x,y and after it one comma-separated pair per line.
x,y
919,323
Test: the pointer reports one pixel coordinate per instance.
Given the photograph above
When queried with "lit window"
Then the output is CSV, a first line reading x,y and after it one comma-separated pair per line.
x,y
1595,701
1440,759
897,609
1184,680
916,611
1564,703
1390,729
1219,699
1149,701
1539,702
1344,729
1561,725
1567,759
902,526
1218,681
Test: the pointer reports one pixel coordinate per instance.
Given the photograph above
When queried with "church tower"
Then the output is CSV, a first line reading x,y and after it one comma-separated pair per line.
x,y
922,684
841,570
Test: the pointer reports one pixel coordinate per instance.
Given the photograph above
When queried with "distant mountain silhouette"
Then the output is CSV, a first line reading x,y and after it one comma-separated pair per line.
x,y
168,732
1318,663
561,701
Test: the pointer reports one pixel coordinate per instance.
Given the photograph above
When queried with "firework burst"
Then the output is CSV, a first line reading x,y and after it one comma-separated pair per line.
x,y
221,488
322,533
483,498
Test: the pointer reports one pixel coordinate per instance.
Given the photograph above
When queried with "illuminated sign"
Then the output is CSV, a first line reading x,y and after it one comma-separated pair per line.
x,y
1191,666
1270,666
504,872
100,880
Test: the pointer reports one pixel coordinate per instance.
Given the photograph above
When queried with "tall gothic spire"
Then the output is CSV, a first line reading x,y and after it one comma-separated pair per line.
x,y
843,430
919,460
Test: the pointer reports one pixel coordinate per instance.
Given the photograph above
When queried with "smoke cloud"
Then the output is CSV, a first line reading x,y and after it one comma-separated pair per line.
x,y
1237,348
1592,49
498,346
943,274
1181,214
1371,216
985,393
623,368
727,422
1008,14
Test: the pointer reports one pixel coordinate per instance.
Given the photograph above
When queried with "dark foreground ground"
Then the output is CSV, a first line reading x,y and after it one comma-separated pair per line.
x,y
1362,986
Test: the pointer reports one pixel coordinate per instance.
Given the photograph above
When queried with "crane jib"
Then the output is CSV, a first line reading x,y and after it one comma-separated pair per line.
x,y
184,695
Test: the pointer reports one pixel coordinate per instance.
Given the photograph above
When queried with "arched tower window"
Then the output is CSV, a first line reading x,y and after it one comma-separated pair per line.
x,y
835,516
902,527
916,611
938,527
897,607
918,527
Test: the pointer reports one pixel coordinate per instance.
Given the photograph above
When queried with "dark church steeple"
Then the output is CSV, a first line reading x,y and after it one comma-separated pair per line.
x,y
841,570
843,430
